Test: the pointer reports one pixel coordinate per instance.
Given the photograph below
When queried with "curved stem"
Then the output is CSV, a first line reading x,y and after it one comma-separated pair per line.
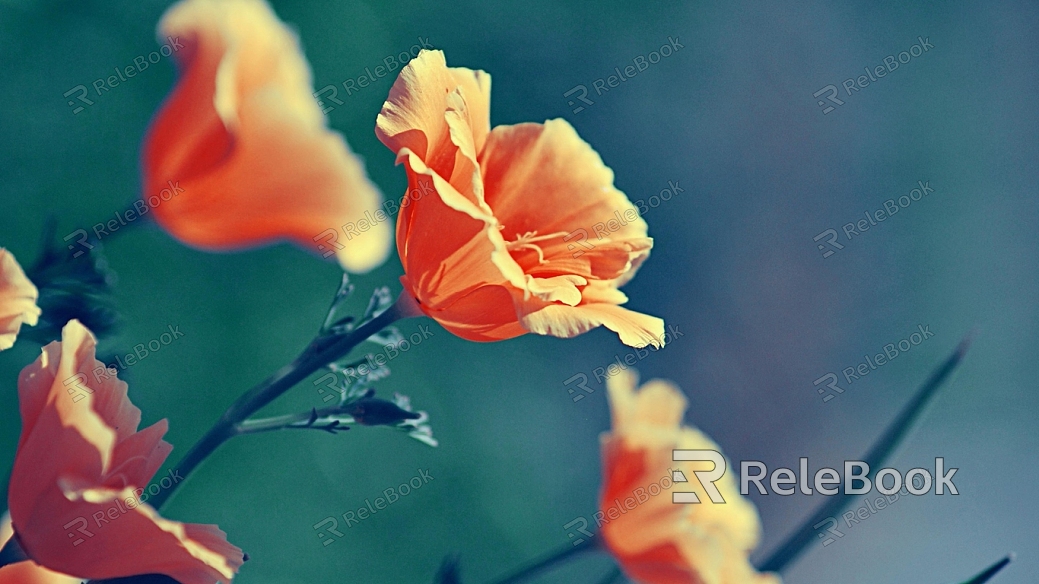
x,y
991,571
289,421
539,565
275,423
281,381
796,543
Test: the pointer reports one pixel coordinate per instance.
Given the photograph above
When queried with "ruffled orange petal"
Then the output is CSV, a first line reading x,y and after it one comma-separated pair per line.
x,y
442,115
559,320
244,140
545,178
483,315
446,240
189,553
17,300
79,458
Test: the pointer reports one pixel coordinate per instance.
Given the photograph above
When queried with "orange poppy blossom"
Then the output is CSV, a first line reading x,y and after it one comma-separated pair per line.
x,y
239,154
489,232
17,300
658,541
28,572
79,458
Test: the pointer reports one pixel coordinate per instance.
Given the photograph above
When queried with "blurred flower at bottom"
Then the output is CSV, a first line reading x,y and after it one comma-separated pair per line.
x,y
655,540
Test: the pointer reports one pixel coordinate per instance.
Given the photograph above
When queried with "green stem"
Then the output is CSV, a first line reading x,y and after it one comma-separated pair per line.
x,y
991,571
545,562
296,421
892,437
281,381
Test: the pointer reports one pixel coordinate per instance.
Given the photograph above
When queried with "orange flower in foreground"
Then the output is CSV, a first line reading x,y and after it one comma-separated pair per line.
x,y
27,572
17,300
239,154
493,231
79,458
655,540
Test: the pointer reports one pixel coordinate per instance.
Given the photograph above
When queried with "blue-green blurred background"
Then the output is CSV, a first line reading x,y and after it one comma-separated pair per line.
x,y
731,117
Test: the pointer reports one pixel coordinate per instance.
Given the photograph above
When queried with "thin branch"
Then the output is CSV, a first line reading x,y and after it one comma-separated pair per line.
x,y
545,562
302,421
876,456
281,381
991,571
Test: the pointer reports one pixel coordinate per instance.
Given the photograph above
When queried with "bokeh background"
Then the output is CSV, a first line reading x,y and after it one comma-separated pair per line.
x,y
732,119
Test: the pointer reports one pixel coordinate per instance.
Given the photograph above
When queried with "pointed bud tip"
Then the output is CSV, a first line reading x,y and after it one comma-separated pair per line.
x,y
965,343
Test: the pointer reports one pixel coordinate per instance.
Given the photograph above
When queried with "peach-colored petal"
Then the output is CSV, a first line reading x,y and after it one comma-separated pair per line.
x,y
507,212
483,315
657,541
17,300
245,142
440,114
79,459
559,320
27,572
545,178
452,258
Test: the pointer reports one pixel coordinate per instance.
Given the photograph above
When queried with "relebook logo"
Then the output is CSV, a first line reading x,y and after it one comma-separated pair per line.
x,y
827,481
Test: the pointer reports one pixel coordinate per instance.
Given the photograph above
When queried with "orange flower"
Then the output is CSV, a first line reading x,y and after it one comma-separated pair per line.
x,y
655,540
28,572
239,154
17,300
492,233
79,458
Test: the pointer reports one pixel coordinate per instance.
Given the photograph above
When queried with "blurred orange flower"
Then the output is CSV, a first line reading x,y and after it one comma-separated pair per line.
x,y
28,572
17,300
239,154
492,231
79,457
655,540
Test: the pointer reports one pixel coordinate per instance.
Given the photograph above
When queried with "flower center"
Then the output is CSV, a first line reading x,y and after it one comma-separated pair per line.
x,y
527,241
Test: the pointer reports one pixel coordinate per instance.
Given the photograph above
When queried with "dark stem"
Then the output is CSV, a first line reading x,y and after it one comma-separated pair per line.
x,y
876,456
288,421
12,553
281,381
991,571
539,565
